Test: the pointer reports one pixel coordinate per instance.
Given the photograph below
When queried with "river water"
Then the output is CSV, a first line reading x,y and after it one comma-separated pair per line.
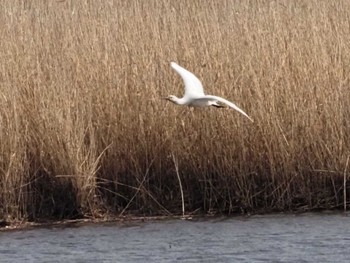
x,y
273,238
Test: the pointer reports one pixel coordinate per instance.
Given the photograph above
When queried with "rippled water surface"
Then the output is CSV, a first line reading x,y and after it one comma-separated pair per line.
x,y
274,238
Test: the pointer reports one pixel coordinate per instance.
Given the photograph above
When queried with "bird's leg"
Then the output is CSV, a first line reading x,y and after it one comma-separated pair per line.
x,y
218,106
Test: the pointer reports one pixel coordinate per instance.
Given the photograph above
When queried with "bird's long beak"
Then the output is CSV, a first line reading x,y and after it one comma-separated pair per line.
x,y
165,98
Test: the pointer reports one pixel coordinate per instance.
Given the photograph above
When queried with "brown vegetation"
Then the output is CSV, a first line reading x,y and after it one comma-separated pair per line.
x,y
84,131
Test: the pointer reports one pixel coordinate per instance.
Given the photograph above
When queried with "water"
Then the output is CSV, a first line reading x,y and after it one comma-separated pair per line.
x,y
274,238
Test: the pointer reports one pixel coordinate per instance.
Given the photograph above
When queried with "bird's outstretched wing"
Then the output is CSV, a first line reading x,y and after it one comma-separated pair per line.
x,y
193,86
228,103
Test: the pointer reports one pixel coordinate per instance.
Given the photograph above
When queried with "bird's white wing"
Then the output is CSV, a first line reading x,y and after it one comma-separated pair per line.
x,y
193,86
228,103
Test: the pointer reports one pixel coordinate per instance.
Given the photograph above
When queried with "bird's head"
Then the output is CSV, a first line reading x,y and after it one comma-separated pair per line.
x,y
172,98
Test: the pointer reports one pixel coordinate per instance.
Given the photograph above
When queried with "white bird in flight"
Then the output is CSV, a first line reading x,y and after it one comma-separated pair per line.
x,y
194,94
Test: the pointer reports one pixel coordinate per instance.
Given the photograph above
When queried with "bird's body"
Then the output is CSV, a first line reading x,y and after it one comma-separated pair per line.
x,y
194,94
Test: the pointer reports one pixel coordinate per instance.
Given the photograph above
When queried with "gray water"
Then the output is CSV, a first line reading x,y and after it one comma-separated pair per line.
x,y
274,238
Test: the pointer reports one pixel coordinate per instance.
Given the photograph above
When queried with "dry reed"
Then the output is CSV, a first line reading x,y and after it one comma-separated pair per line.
x,y
84,132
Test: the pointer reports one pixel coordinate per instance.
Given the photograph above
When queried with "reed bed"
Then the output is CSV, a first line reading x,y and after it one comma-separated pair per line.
x,y
84,132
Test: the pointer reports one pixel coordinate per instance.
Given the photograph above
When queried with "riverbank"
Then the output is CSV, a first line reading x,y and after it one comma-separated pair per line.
x,y
129,220
21,225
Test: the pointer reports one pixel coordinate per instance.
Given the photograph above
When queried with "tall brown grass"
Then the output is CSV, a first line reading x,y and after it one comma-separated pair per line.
x,y
84,131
